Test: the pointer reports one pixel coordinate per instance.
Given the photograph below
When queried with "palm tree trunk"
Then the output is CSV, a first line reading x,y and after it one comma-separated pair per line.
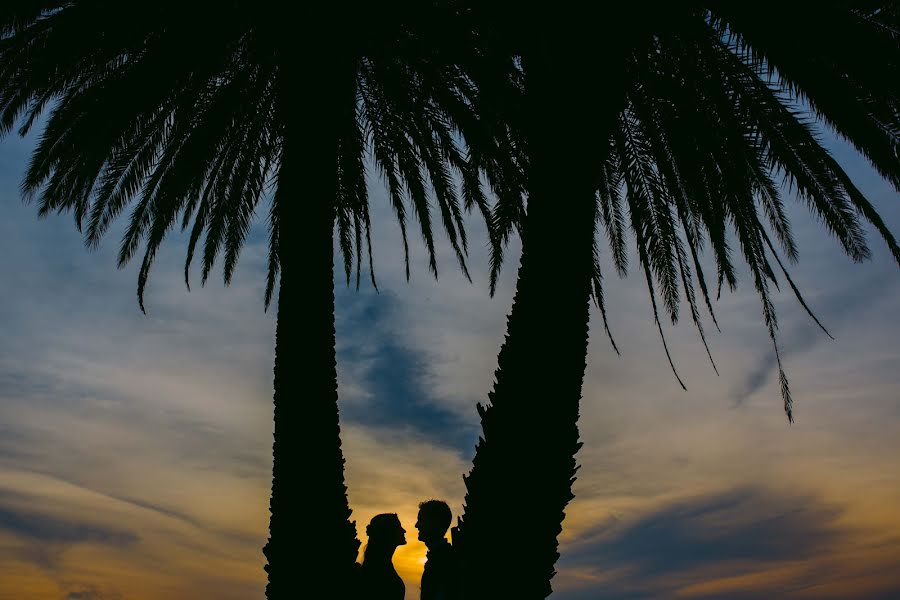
x,y
309,507
524,466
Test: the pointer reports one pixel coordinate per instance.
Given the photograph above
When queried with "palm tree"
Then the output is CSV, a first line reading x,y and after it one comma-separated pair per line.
x,y
674,124
192,113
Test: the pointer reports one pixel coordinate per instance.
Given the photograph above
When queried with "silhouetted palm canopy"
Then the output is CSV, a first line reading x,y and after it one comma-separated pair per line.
x,y
676,124
714,125
679,127
186,114
189,115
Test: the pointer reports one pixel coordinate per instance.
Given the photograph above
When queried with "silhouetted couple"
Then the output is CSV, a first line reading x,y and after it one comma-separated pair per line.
x,y
441,578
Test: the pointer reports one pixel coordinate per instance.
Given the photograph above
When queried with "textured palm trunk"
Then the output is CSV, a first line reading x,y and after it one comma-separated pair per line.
x,y
524,466
309,508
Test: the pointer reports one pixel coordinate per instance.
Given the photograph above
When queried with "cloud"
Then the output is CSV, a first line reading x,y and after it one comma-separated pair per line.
x,y
748,543
748,524
42,528
394,375
42,538
840,306
90,592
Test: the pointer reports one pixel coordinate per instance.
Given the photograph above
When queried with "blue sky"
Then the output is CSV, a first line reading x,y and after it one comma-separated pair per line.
x,y
135,449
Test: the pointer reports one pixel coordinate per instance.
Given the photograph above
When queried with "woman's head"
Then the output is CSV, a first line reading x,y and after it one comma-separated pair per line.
x,y
385,530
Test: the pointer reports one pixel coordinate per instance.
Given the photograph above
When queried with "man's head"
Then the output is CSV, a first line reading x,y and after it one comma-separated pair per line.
x,y
434,520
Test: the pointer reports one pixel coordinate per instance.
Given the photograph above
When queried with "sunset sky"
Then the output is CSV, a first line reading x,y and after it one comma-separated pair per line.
x,y
135,451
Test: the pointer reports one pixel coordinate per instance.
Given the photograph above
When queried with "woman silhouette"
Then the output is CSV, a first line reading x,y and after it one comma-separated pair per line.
x,y
378,577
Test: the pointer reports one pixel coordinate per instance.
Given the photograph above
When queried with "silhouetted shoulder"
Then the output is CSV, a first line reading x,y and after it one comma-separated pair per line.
x,y
442,577
380,584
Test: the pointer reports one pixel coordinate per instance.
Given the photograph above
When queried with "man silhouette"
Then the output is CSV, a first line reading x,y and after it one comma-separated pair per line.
x,y
441,578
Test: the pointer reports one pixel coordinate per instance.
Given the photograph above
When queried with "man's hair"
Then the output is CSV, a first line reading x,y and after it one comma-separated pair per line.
x,y
437,512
